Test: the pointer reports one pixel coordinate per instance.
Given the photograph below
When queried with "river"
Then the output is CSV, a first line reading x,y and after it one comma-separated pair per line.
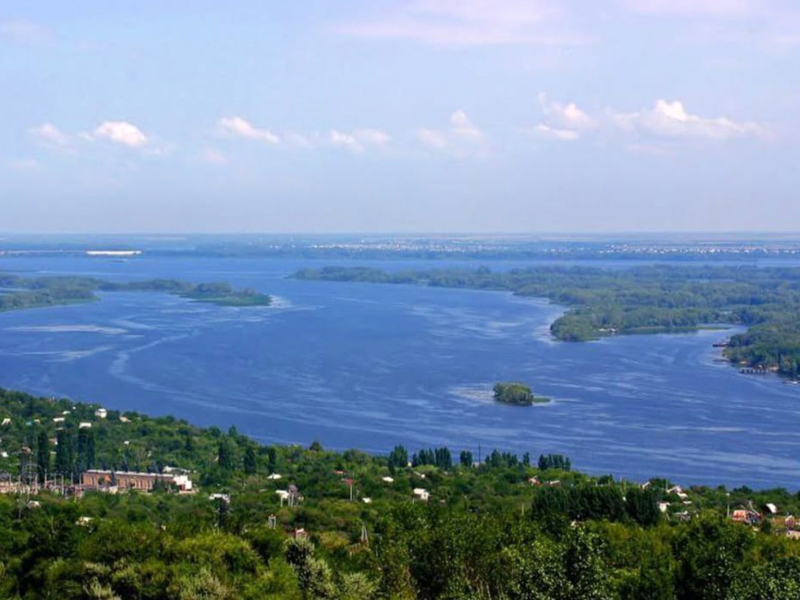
x,y
370,366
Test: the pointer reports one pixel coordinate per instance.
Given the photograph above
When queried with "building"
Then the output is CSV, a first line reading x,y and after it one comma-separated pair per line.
x,y
114,481
101,413
746,516
422,494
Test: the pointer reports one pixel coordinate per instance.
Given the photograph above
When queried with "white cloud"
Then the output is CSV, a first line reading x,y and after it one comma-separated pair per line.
x,y
715,8
25,31
432,139
562,121
567,116
372,137
564,135
671,120
49,134
359,139
345,140
120,132
469,22
463,127
237,126
462,139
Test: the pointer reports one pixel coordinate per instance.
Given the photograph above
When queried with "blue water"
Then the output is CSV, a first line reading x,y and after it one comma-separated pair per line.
x,y
370,366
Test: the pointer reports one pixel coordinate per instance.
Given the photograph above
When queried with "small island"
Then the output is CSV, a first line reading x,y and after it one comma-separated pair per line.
x,y
517,394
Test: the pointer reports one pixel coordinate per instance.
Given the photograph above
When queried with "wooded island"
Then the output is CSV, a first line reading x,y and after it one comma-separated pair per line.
x,y
517,394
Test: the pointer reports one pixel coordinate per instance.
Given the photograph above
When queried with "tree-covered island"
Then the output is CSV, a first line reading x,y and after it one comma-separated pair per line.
x,y
640,300
517,394
17,293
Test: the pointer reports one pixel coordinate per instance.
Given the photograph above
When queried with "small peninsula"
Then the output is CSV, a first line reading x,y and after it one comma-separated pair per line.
x,y
18,293
517,394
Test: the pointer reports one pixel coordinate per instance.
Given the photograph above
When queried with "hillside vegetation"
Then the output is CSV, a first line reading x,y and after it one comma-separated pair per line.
x,y
428,524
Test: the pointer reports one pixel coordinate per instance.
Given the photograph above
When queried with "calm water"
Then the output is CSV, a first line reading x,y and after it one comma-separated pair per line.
x,y
369,366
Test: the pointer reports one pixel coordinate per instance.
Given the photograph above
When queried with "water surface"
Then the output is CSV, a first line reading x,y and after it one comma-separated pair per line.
x,y
369,366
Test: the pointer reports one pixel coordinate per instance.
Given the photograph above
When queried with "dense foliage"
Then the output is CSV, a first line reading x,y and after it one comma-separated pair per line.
x,y
518,394
500,528
18,293
654,299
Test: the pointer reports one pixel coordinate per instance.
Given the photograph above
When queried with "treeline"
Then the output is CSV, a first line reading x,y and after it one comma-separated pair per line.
x,y
652,299
35,292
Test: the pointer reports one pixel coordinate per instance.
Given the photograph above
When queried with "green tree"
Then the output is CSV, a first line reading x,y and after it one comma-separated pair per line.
x,y
65,457
250,465
42,455
225,454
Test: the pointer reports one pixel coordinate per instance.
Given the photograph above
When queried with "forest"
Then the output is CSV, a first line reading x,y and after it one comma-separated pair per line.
x,y
18,293
640,300
404,525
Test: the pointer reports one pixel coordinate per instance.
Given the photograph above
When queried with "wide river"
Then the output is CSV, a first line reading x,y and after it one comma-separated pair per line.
x,y
370,366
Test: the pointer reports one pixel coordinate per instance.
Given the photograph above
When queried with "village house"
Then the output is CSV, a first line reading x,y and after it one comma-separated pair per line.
x,y
422,494
101,413
743,515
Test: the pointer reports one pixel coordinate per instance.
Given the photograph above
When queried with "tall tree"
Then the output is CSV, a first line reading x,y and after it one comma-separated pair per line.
x,y
65,457
250,465
225,455
42,455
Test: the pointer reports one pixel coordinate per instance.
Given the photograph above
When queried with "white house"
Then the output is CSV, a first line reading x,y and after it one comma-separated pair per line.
x,y
387,480
422,494
101,413
678,491
183,482
58,419
274,476
6,421
84,425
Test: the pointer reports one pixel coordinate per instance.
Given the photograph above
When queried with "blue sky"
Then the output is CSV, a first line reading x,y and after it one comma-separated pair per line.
x,y
412,116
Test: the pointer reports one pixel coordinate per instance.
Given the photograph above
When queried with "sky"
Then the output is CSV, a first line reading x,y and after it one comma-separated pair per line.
x,y
400,116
